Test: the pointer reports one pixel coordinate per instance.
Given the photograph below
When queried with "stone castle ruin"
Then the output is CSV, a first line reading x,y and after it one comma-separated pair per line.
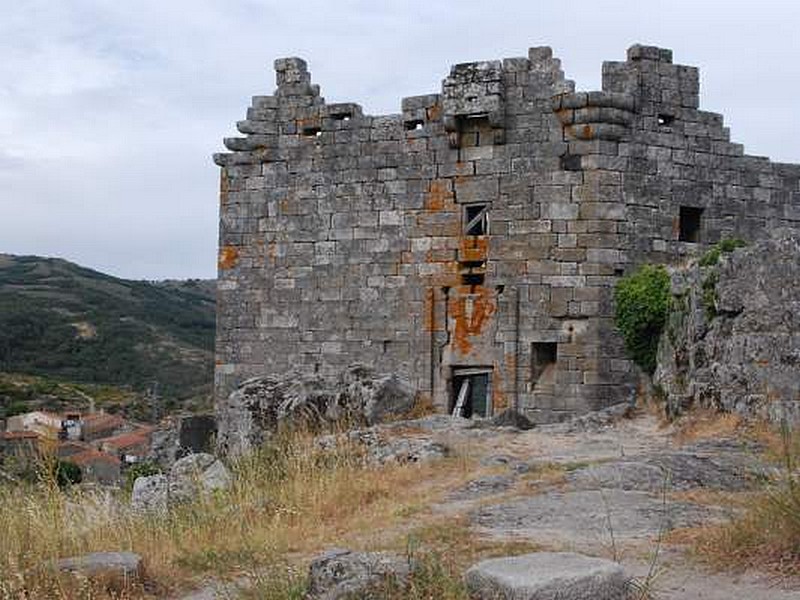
x,y
471,243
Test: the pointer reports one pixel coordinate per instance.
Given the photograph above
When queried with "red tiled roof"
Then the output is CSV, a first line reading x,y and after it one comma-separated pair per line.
x,y
90,456
19,435
102,420
126,440
80,446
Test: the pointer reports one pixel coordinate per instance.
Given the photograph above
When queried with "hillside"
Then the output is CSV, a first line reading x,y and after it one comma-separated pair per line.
x,y
70,323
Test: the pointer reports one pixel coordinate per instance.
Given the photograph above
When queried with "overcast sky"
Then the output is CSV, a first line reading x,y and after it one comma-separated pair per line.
x,y
110,110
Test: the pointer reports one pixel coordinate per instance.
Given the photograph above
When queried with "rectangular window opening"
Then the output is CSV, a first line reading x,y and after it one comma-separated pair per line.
x,y
311,132
570,162
414,125
690,222
476,219
471,393
344,116
544,356
665,120
473,272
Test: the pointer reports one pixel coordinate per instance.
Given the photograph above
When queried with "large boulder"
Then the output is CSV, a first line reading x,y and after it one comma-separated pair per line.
x,y
732,341
261,405
377,399
339,574
196,475
189,479
150,493
547,576
110,567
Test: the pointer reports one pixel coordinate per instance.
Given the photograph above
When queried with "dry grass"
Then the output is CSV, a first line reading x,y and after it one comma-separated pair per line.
x,y
440,552
289,499
704,424
767,535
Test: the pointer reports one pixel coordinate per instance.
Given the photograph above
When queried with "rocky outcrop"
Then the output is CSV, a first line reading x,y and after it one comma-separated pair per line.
x,y
547,576
189,478
382,448
733,339
339,574
111,567
259,406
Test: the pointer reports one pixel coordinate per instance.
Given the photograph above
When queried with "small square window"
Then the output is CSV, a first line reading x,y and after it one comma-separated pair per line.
x,y
476,219
690,222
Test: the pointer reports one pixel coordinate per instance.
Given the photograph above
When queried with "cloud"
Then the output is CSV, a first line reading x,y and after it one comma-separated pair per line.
x,y
109,111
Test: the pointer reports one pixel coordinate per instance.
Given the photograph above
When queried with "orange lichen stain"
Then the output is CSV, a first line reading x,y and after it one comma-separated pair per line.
x,y
473,248
228,257
224,186
431,322
499,400
434,112
587,132
309,122
438,196
272,252
471,310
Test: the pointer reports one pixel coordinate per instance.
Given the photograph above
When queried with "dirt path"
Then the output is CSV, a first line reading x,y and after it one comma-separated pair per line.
x,y
613,491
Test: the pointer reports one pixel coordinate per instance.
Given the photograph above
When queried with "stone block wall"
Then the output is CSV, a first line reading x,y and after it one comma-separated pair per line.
x,y
479,230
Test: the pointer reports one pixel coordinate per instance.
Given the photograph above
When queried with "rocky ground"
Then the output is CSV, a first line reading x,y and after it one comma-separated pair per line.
x,y
607,486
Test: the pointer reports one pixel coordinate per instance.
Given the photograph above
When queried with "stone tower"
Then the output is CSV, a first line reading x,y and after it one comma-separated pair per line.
x,y
471,243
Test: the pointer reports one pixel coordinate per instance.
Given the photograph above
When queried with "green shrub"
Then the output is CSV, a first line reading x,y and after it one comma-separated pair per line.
x,y
67,473
728,245
140,469
642,306
709,298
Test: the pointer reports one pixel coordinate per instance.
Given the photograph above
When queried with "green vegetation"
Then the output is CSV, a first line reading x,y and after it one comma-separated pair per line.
x,y
709,297
726,246
642,306
67,473
140,469
69,323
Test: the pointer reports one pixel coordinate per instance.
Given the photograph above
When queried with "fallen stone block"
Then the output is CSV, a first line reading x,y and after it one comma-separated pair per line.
x,y
339,574
547,576
119,567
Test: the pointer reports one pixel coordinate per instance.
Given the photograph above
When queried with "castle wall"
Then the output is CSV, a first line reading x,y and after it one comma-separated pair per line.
x,y
482,228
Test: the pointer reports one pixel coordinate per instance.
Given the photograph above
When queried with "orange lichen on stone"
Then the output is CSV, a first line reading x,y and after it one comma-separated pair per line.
x,y
499,400
272,252
471,310
431,321
439,195
434,112
228,257
473,248
224,186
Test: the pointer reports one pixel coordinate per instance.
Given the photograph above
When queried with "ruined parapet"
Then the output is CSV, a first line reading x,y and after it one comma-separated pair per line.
x,y
474,91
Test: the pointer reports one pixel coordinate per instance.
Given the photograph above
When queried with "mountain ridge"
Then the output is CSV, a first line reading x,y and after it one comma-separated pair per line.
x,y
60,319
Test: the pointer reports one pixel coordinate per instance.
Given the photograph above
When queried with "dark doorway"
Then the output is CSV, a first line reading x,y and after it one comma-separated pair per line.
x,y
543,357
471,393
690,221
